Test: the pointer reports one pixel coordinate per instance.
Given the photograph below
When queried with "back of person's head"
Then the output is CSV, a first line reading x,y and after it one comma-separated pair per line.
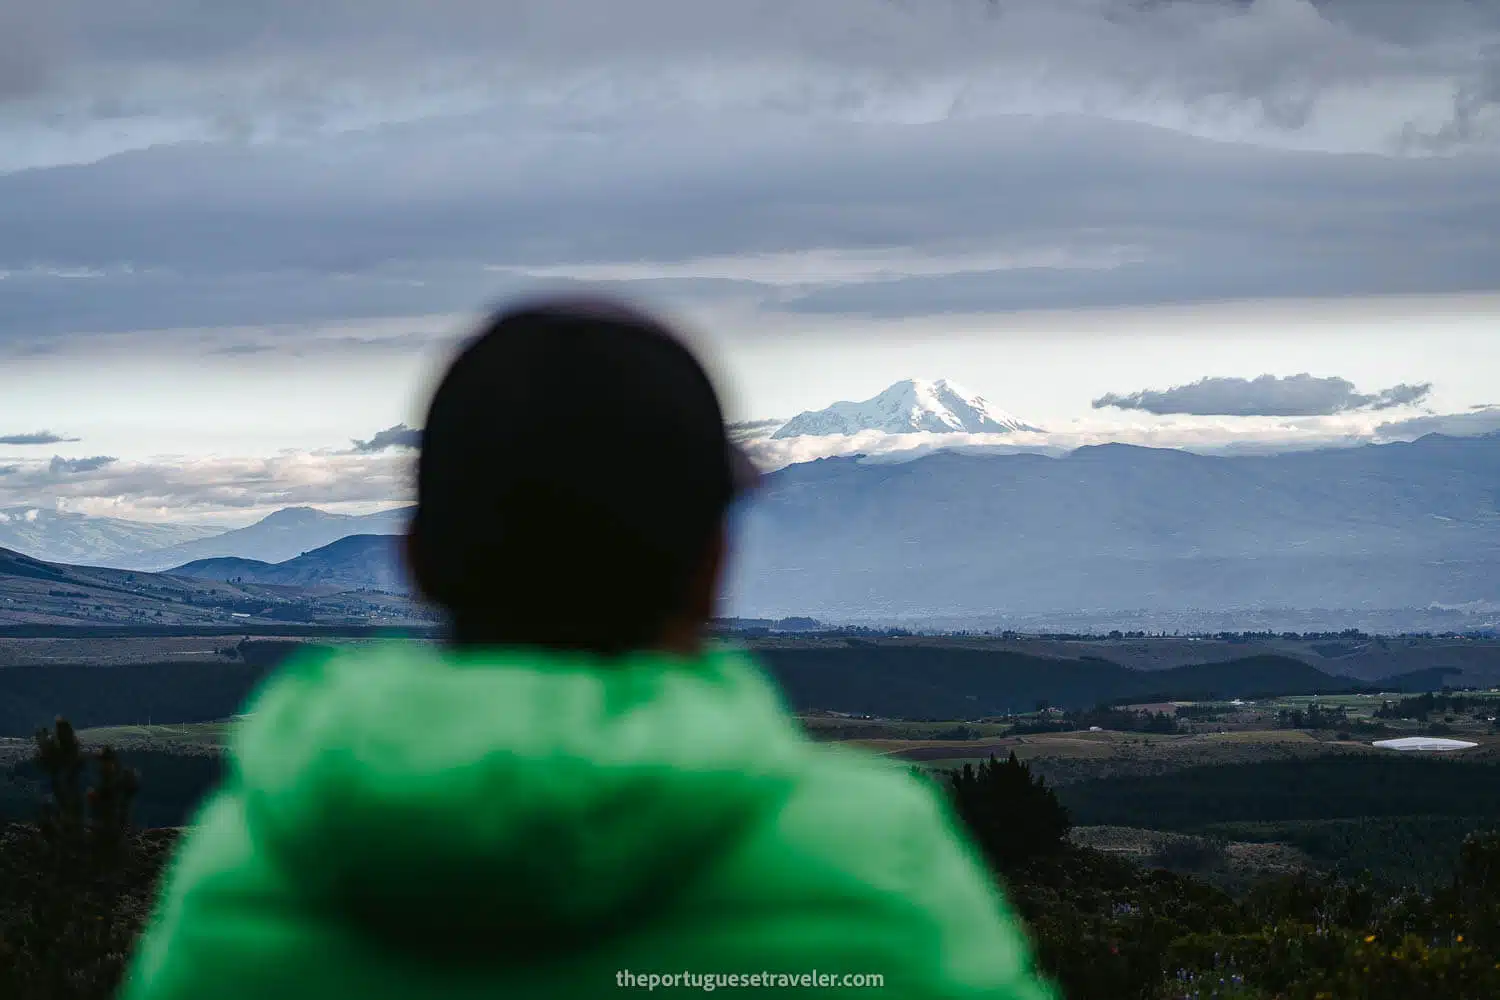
x,y
573,481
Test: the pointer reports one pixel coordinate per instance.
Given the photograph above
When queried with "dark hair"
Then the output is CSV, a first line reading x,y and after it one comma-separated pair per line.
x,y
573,579
531,531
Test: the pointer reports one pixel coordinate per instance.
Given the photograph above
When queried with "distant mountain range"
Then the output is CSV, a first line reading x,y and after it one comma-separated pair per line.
x,y
909,407
284,535
60,536
1122,527
43,594
1100,529
353,562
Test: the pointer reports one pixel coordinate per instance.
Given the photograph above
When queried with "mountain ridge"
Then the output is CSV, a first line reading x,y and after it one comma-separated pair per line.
x,y
366,562
67,536
279,536
1379,526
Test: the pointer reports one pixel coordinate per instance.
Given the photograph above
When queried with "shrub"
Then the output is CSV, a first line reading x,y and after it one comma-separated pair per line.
x,y
1187,854
74,886
1011,813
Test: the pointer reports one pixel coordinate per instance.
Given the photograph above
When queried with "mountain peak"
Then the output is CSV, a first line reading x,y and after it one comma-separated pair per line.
x,y
910,406
297,515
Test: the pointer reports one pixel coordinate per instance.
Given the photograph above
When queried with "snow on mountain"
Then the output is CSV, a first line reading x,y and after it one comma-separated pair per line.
x,y
67,537
911,406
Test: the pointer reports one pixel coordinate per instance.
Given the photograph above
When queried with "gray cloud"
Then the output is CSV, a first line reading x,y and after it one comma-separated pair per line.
x,y
35,437
1478,421
67,466
755,425
9,470
29,47
399,436
744,431
435,138
303,60
1266,395
1207,220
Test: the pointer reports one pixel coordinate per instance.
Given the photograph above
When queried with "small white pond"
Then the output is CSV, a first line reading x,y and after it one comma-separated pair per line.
x,y
1423,743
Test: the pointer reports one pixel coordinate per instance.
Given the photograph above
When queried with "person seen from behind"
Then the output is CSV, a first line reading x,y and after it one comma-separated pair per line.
x,y
578,790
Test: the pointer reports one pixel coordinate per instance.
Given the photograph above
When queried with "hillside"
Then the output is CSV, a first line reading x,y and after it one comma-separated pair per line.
x,y
64,536
941,682
275,538
356,562
33,592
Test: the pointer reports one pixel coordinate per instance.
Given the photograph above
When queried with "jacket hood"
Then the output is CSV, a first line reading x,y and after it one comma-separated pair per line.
x,y
481,802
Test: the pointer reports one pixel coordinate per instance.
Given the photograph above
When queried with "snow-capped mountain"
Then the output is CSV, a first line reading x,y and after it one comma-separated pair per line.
x,y
911,406
66,537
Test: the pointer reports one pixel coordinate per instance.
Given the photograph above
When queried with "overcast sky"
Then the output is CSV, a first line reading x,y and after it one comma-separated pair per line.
x,y
234,240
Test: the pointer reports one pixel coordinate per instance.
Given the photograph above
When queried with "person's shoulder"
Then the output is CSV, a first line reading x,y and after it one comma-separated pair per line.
x,y
868,858
877,814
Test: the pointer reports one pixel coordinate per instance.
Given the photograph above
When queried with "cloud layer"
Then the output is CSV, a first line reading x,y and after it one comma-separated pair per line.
x,y
195,487
244,487
1479,420
60,466
1265,395
399,436
280,67
275,162
35,437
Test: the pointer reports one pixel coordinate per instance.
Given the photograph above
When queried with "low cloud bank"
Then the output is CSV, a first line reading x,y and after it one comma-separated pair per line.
x,y
242,488
1266,395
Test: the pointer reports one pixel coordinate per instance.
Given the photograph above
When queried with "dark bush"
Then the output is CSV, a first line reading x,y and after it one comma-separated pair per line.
x,y
1012,813
1187,854
76,885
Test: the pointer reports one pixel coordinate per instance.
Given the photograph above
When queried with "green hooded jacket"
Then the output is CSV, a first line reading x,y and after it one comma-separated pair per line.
x,y
406,822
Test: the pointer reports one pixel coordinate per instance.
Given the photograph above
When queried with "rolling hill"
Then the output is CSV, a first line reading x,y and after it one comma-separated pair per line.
x,y
357,562
946,682
275,538
33,592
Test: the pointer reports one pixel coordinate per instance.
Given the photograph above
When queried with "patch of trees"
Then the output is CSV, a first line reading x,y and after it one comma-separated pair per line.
x,y
1344,787
1116,720
76,881
1107,928
126,694
1315,716
1011,814
956,683
1209,712
1391,851
1424,705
